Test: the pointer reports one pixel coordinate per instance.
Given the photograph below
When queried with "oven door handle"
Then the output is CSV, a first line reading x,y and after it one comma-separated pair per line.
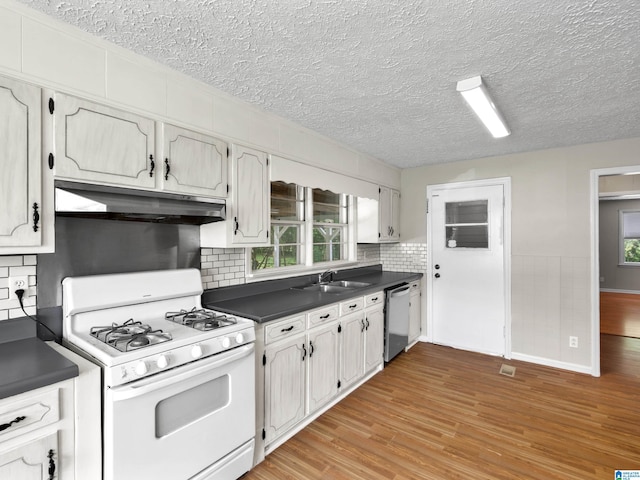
x,y
162,380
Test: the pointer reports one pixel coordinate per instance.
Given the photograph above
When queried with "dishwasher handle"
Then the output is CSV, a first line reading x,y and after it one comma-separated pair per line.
x,y
399,292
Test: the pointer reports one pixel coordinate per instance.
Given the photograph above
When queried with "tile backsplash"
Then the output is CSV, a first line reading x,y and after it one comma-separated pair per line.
x,y
221,267
17,265
404,257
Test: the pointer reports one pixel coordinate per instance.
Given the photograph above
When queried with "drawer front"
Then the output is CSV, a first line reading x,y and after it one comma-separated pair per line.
x,y
28,411
374,299
284,328
352,305
323,315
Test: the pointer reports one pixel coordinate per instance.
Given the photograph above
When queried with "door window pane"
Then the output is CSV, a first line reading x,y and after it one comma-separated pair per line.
x,y
467,224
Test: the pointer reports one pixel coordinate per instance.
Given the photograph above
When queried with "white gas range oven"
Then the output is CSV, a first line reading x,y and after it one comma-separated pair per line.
x,y
178,380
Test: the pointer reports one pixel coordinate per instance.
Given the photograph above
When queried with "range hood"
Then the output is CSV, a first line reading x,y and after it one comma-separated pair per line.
x,y
115,203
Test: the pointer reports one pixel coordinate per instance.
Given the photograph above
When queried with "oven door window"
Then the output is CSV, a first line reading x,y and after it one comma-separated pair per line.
x,y
187,407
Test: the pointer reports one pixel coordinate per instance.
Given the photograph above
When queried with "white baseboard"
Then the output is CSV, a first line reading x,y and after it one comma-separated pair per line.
x,y
615,290
547,362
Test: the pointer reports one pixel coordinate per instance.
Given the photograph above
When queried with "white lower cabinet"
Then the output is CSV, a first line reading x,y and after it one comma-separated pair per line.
x,y
285,386
35,460
310,361
36,441
414,312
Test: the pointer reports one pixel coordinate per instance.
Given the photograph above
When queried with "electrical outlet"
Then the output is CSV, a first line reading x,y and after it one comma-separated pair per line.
x,y
573,342
17,283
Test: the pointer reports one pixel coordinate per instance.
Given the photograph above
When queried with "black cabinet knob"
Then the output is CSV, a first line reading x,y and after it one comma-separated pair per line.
x,y
437,275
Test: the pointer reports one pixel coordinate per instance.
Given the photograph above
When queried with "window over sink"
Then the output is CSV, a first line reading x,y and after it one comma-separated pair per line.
x,y
309,227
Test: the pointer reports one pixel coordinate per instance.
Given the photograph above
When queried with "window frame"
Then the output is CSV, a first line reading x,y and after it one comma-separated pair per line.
x,y
307,224
621,238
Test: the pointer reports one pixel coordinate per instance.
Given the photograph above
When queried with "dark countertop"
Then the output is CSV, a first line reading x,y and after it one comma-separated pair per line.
x,y
26,362
278,300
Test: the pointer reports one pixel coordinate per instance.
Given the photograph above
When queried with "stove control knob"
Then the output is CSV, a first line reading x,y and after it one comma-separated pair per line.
x,y
226,342
239,338
162,361
196,351
141,368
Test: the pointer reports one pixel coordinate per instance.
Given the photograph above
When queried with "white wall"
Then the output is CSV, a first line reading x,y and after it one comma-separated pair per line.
x,y
551,239
46,52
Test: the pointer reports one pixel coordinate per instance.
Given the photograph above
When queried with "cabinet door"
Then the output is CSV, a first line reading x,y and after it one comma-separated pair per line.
x,y
31,461
20,164
374,349
285,385
193,163
385,214
101,144
414,312
323,365
251,192
395,215
351,348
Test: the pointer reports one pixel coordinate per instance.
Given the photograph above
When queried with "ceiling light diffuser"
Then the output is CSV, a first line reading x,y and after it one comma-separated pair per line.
x,y
476,95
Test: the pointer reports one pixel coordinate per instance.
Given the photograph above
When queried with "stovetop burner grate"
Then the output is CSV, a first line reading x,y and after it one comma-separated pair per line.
x,y
130,335
201,319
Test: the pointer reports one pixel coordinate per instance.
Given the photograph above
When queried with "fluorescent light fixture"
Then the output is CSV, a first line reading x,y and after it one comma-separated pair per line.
x,y
473,91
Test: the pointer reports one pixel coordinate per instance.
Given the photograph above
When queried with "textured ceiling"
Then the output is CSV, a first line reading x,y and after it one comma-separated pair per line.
x,y
380,75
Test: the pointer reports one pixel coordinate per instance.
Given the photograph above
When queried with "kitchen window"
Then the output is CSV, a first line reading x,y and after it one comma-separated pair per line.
x,y
287,229
309,226
629,237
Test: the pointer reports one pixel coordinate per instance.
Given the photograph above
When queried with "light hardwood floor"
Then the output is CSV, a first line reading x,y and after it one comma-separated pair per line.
x,y
439,413
620,314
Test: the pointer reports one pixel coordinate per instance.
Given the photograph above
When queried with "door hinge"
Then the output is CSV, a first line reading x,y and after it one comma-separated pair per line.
x,y
339,384
227,152
52,105
267,161
51,158
267,233
227,188
264,359
264,434
427,205
339,328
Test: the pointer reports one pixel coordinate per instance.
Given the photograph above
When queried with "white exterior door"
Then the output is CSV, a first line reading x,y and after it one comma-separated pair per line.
x,y
468,299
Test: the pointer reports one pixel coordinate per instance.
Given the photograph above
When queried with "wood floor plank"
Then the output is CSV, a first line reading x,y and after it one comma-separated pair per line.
x,y
438,413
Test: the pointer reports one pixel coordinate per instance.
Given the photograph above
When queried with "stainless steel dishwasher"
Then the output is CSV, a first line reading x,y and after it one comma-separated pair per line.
x,y
396,320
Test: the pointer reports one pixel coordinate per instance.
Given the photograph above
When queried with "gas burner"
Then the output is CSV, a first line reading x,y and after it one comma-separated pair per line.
x,y
200,319
129,336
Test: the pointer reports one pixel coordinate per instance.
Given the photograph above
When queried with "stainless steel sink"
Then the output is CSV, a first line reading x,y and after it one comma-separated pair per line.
x,y
349,284
324,288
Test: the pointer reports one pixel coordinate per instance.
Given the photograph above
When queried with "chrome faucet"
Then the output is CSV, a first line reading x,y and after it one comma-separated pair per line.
x,y
328,274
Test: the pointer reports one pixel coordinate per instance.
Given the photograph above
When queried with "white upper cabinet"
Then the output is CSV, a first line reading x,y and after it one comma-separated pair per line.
x,y
379,219
247,220
193,163
100,144
21,188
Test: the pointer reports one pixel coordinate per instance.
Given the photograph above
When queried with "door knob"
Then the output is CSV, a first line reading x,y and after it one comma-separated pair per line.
x,y
437,275
437,267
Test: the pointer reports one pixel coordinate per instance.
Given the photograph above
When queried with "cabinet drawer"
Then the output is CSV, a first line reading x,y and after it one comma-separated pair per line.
x,y
352,305
374,299
284,328
28,411
323,315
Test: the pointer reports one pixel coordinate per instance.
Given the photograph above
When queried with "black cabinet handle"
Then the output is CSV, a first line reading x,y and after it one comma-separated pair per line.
x,y
367,320
353,306
311,349
4,426
50,161
323,317
52,465
287,329
363,327
304,349
36,217
374,299
167,169
153,165
236,227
